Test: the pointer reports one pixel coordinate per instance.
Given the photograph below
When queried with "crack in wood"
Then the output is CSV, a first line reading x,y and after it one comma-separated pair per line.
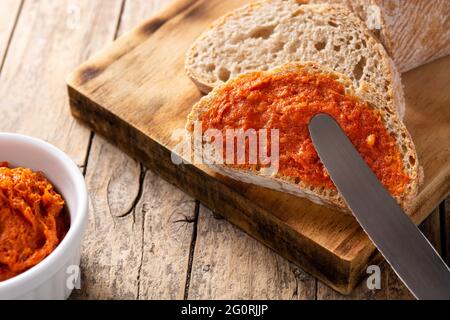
x,y
443,232
16,20
315,288
295,293
138,197
88,152
191,251
138,280
119,20
185,220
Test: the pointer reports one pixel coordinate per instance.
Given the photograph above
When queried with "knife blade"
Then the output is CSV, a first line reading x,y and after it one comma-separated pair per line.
x,y
398,239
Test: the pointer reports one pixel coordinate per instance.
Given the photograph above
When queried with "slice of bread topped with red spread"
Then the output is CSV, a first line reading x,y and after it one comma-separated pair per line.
x,y
285,99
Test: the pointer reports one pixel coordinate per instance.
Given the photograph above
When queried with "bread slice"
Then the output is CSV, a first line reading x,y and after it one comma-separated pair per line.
x,y
265,34
325,196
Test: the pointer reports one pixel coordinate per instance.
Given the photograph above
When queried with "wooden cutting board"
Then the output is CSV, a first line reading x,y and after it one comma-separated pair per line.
x,y
136,94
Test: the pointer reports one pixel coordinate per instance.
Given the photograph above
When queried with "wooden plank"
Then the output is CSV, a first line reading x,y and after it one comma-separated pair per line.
x,y
50,39
126,95
112,248
228,264
10,11
168,224
146,214
165,255
133,252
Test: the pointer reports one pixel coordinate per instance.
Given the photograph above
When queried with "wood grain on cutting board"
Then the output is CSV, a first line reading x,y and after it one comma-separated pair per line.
x,y
136,94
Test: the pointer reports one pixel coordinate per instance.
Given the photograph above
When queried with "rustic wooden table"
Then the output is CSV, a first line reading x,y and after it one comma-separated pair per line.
x,y
145,239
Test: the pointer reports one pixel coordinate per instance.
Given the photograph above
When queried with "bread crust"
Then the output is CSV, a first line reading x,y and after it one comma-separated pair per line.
x,y
287,184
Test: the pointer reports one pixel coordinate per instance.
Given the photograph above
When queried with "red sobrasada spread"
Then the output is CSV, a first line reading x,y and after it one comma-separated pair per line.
x,y
33,220
287,102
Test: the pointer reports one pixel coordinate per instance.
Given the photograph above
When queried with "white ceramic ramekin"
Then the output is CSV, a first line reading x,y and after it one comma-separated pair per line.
x,y
54,277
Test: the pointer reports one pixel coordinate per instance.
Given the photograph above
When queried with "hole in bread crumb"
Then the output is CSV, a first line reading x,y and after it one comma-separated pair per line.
x,y
412,160
336,48
210,67
358,46
262,32
359,68
404,148
224,74
320,45
332,23
297,180
349,40
389,111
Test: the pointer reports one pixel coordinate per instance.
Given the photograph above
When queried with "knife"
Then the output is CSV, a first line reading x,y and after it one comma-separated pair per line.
x,y
398,239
